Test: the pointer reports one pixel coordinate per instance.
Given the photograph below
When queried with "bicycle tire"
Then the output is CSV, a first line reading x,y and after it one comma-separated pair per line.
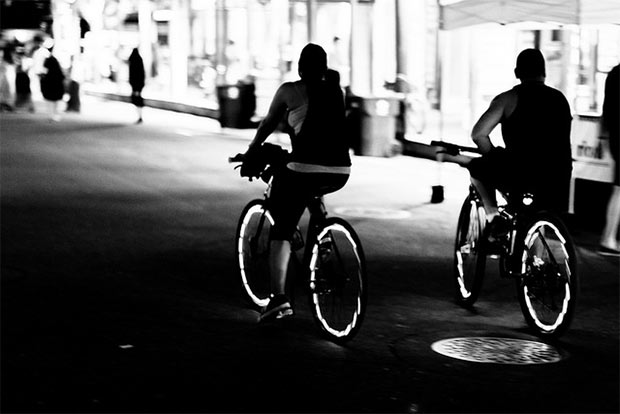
x,y
252,241
469,256
548,287
338,281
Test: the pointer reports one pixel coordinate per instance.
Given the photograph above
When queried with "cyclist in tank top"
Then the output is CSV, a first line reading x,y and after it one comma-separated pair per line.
x,y
535,123
319,162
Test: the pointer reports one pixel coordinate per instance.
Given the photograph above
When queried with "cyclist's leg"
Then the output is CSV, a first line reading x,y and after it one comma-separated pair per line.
x,y
609,237
287,206
490,172
279,257
487,194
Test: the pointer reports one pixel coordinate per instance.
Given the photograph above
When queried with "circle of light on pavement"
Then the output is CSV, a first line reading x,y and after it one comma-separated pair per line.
x,y
372,212
497,350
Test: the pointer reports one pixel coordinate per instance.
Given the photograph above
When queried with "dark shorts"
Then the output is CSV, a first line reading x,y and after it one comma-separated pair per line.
x,y
290,193
513,177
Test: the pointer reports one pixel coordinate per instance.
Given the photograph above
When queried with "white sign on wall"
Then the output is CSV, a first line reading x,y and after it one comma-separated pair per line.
x,y
591,154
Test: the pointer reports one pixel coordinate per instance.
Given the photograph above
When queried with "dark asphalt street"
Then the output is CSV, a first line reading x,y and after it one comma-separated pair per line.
x,y
120,293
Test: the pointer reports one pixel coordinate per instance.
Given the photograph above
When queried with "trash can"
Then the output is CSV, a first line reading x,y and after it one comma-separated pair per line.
x,y
237,105
372,124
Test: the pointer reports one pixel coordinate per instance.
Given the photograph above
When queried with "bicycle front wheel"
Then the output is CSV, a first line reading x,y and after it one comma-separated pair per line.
x,y
338,286
547,289
252,250
469,257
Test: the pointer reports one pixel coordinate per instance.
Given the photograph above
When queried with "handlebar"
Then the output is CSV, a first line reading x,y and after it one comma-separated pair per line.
x,y
454,149
237,158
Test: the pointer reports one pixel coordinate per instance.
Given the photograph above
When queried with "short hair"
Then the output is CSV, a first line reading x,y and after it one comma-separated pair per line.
x,y
312,62
530,64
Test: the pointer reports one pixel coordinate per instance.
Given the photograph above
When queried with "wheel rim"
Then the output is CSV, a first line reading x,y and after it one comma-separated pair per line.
x,y
253,260
336,282
468,249
547,276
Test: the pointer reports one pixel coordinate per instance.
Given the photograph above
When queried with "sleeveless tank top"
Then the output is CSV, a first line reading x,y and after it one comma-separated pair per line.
x,y
318,132
537,133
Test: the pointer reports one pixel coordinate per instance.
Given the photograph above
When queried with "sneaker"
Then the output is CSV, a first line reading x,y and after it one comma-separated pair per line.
x,y
607,251
278,307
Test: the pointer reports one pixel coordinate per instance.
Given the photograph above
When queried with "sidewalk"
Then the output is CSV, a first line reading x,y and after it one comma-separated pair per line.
x,y
193,103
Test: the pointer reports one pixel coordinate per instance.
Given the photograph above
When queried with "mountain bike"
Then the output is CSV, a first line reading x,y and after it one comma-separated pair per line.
x,y
538,252
333,262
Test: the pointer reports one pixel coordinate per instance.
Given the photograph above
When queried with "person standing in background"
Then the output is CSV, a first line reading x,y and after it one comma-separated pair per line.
x,y
136,80
23,91
53,85
7,81
611,123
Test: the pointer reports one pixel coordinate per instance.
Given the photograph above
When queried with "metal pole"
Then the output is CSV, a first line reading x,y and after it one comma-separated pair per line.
x,y
221,38
401,48
310,15
437,190
352,40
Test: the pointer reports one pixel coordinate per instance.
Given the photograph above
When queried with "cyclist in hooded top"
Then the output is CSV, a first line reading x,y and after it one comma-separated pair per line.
x,y
319,163
535,123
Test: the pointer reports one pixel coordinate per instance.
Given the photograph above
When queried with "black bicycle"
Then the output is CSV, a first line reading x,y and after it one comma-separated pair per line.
x,y
333,262
538,253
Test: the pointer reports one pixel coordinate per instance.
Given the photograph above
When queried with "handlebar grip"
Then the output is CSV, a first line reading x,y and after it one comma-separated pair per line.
x,y
236,158
454,149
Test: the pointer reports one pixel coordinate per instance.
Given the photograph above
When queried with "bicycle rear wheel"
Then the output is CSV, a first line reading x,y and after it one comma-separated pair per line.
x,y
338,286
252,250
547,289
469,257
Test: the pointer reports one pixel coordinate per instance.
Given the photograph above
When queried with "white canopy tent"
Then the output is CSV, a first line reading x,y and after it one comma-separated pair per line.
x,y
461,13
527,14
455,14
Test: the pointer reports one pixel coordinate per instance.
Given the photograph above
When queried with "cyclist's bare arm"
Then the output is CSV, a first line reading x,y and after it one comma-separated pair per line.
x,y
488,121
502,106
277,109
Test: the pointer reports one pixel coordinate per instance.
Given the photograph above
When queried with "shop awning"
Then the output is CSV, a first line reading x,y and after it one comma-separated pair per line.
x,y
462,13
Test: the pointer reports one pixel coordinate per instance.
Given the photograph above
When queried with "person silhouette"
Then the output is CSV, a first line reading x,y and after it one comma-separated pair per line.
x,y
611,123
53,85
137,77
313,108
535,124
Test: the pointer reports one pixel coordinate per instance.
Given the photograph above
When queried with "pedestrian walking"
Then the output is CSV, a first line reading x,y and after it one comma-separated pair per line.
x,y
23,90
136,80
53,85
7,81
611,124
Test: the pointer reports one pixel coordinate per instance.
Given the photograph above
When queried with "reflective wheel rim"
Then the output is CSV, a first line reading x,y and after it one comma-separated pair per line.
x,y
245,267
467,251
324,290
547,312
